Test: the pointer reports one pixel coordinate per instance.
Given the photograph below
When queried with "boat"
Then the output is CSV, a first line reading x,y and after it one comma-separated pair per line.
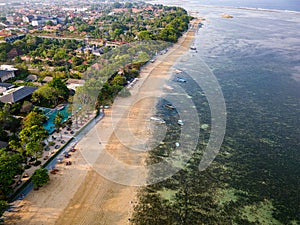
x,y
180,79
169,106
193,48
180,122
159,120
178,71
60,107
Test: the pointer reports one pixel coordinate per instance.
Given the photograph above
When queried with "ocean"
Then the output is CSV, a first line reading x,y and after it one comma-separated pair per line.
x,y
253,63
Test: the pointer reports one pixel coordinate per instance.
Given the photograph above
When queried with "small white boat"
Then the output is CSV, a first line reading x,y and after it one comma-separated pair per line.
x,y
178,71
159,120
60,107
181,80
180,122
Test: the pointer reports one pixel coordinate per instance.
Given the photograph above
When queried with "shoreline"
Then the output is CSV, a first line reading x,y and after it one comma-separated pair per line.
x,y
78,194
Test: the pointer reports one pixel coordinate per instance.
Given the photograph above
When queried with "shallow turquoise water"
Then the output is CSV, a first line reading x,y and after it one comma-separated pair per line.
x,y
51,114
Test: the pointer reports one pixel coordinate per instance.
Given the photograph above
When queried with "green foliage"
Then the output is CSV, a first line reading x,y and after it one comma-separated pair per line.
x,y
3,56
59,87
76,61
7,120
58,121
32,135
40,177
10,165
145,35
118,80
52,93
34,118
3,206
45,96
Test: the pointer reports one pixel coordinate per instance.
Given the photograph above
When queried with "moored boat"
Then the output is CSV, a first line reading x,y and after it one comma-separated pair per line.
x,y
169,106
180,122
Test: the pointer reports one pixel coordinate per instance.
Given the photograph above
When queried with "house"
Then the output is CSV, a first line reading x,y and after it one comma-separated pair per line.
x,y
37,22
27,19
6,74
71,28
47,79
73,83
13,53
96,66
31,78
17,94
5,86
8,67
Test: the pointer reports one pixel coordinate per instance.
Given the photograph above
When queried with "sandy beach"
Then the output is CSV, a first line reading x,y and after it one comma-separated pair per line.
x,y
78,194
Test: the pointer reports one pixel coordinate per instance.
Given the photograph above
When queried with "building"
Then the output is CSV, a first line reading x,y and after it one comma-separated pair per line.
x,y
8,67
37,22
17,94
27,19
47,79
31,78
72,84
6,74
5,86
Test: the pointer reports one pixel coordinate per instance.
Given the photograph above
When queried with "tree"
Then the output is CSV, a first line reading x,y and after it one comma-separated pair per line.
x,y
3,206
20,45
34,148
40,178
6,118
15,145
34,118
49,23
31,138
45,95
60,87
33,133
76,61
51,93
119,80
145,35
10,165
58,121
3,56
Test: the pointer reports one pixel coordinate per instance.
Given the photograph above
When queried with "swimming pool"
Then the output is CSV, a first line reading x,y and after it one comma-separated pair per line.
x,y
51,114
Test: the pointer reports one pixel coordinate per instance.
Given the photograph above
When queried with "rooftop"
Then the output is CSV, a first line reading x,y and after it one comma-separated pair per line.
x,y
17,94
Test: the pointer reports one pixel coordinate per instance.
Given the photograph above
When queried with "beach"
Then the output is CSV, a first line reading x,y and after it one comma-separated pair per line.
x,y
78,194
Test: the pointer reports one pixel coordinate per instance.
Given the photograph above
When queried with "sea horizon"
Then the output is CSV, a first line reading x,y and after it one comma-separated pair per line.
x,y
291,5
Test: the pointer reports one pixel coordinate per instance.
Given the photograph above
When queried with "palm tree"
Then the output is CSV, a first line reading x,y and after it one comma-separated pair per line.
x,y
58,122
